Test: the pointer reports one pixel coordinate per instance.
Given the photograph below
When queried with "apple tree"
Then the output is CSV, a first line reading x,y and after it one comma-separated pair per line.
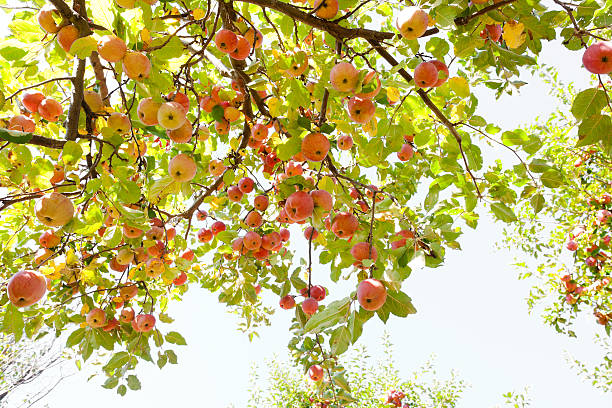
x,y
149,147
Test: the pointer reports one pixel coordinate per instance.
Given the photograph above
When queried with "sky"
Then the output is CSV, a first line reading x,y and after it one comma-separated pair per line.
x,y
472,314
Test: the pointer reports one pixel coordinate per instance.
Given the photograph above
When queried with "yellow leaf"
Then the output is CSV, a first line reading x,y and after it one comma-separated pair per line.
x,y
514,34
460,86
198,14
145,35
393,95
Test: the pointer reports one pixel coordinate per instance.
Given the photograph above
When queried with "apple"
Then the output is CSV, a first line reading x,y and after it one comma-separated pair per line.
x,y
360,110
111,48
412,22
242,50
147,111
246,185
94,101
154,267
66,36
344,225
299,206
492,31
343,77
322,199
48,239
371,294
252,241
96,318
287,302
361,251
310,306
326,9
46,19
136,65
131,232
205,235
598,58
182,168
259,131
284,234
345,142
405,153
26,288
271,240
127,315
22,123
315,146
50,109
368,91
188,255
254,37
145,322
125,256
179,97
426,75
226,40
310,231
296,68
217,227
253,219
137,148
201,215
54,209
315,373
261,202
128,291
119,123
442,72
181,279
111,325
171,115
216,167
31,99
182,134
234,194
317,292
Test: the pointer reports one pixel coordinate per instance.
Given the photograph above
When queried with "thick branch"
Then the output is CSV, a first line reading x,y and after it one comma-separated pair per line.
x,y
74,112
94,58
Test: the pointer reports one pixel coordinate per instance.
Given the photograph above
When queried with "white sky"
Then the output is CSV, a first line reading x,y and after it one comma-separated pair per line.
x,y
471,314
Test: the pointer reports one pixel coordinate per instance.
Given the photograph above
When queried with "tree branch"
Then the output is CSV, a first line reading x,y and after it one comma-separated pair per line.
x,y
461,21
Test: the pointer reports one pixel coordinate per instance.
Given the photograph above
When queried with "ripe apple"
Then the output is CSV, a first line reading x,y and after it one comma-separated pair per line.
x,y
94,101
425,75
344,225
217,227
442,72
154,267
598,58
492,31
299,206
31,99
26,288
147,111
234,194
412,22
322,199
254,219
125,256
261,202
188,255
315,146
46,19
145,322
182,168
49,239
180,280
246,185
54,209
171,115
205,235
226,40
343,77
405,153
284,234
179,97
119,123
360,110
271,240
368,90
293,169
371,294
317,292
66,36
361,251
50,109
259,131
128,291
297,68
216,167
345,142
326,9
96,318
310,306
111,48
315,373
131,232
137,66
242,50
22,123
252,241
287,302
310,231
254,37
127,315
182,134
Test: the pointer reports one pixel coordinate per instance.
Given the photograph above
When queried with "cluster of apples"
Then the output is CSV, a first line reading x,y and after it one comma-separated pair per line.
x,y
597,58
395,397
238,46
36,102
136,65
430,74
223,109
345,78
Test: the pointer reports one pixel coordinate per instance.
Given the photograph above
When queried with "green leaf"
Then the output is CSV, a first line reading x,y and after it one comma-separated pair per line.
x,y
76,337
332,314
110,383
117,360
83,47
121,390
71,153
593,129
11,53
14,136
175,338
12,321
341,382
218,113
551,178
399,304
537,202
171,356
588,103
503,212
133,382
339,340
102,13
